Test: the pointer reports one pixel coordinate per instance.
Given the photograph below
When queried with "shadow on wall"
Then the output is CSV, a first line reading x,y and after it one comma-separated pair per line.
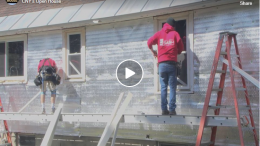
x,y
67,94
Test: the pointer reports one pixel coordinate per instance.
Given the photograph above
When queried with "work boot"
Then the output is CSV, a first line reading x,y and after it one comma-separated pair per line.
x,y
165,112
43,111
172,112
52,110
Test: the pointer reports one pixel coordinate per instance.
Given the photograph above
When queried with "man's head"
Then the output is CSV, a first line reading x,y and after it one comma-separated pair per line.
x,y
171,21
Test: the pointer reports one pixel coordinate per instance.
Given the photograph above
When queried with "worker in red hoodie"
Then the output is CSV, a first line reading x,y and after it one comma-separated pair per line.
x,y
46,68
169,46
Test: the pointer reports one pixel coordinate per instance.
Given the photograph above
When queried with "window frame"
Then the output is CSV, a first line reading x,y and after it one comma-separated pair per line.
x,y
65,51
16,79
188,16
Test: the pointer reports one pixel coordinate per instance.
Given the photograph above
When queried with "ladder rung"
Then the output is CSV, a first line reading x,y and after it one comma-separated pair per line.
x,y
240,89
227,106
245,128
217,89
220,71
208,126
225,53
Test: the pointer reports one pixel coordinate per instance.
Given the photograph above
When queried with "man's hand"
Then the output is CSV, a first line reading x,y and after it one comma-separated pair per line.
x,y
154,53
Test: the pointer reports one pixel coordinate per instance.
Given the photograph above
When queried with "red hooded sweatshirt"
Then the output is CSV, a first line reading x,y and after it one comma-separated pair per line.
x,y
169,43
52,63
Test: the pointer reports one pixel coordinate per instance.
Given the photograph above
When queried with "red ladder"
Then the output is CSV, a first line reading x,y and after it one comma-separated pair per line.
x,y
228,36
5,125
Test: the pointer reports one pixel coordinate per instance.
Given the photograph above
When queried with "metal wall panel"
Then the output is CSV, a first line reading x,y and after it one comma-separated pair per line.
x,y
245,22
155,4
115,42
108,9
65,15
86,11
183,2
9,22
132,6
45,17
26,20
1,19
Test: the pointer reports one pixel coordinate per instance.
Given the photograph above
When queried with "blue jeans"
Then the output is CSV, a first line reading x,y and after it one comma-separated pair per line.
x,y
167,73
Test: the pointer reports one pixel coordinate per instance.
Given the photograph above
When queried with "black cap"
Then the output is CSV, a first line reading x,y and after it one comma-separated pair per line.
x,y
171,21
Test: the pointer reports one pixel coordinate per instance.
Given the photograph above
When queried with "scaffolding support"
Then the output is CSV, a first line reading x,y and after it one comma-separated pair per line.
x,y
111,126
242,73
29,102
213,120
48,137
115,133
115,110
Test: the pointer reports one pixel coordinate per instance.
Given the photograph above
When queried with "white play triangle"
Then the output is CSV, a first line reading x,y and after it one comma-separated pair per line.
x,y
128,73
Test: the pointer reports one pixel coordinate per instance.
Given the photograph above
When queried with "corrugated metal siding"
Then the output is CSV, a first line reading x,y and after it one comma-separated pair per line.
x,y
9,22
45,17
154,4
132,6
107,46
108,9
26,20
86,11
65,15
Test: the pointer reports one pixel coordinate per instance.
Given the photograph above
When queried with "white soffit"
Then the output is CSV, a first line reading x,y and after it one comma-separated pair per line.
x,y
131,6
9,22
26,20
157,4
108,9
183,2
65,15
1,19
45,17
86,11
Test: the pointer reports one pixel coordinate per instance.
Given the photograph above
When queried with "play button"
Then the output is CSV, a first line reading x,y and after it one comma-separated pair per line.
x,y
129,73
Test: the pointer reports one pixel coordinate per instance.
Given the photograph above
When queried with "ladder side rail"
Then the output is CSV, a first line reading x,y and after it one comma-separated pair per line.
x,y
246,93
219,99
6,125
228,44
208,94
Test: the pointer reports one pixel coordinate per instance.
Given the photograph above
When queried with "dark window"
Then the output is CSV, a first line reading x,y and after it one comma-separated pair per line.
x,y
182,72
15,58
74,56
74,43
26,140
12,59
